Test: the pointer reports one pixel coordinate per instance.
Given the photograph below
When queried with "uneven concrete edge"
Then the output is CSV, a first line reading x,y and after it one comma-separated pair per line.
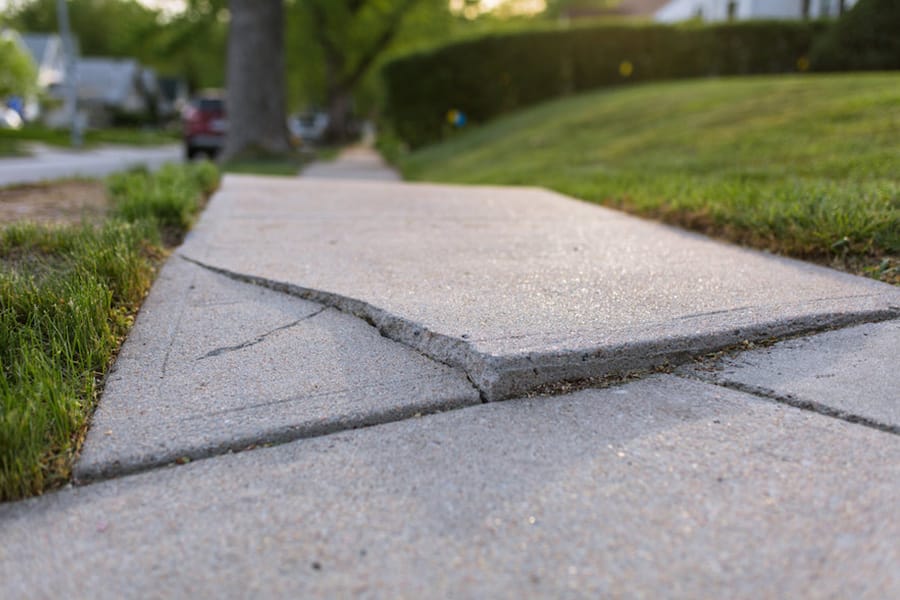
x,y
83,474
444,349
499,378
518,376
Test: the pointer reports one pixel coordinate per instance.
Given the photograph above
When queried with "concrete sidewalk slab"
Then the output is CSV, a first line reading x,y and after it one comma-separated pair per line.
x,y
852,373
353,163
660,488
213,364
519,287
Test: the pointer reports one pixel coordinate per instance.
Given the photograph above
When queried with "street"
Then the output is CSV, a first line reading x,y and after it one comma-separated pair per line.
x,y
53,163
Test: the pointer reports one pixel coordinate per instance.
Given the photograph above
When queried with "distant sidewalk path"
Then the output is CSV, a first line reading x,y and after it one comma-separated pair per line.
x,y
356,162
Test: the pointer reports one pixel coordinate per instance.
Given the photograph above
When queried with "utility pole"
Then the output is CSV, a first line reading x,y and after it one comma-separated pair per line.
x,y
65,33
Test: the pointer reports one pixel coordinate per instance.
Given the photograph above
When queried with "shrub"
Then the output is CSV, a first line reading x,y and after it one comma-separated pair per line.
x,y
495,74
865,38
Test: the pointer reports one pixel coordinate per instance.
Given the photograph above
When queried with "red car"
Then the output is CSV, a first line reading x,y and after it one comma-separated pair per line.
x,y
205,125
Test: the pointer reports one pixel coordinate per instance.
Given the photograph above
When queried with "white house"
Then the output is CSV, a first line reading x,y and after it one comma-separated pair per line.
x,y
730,10
49,56
114,86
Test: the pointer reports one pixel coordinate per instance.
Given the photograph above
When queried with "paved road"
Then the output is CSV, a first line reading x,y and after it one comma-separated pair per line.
x,y
302,410
49,163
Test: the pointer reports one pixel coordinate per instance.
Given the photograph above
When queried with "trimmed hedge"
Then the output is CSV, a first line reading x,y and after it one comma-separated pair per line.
x,y
492,75
867,38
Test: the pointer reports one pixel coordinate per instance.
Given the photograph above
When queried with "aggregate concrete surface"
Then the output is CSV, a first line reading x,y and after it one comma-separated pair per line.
x,y
213,364
853,373
518,287
660,488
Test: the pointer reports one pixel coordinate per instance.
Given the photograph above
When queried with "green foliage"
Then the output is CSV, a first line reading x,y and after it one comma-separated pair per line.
x,y
802,165
103,27
169,197
63,296
865,38
18,75
495,74
93,137
66,299
190,44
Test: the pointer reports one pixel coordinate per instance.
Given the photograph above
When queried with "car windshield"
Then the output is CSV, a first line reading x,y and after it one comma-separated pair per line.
x,y
210,104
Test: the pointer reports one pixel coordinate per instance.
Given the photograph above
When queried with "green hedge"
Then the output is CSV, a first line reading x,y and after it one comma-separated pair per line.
x,y
492,75
867,38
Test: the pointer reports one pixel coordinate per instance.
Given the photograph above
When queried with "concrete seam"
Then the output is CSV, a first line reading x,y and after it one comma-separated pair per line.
x,y
794,402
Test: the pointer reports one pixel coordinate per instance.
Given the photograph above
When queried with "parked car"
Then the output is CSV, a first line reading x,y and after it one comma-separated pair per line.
x,y
205,125
308,127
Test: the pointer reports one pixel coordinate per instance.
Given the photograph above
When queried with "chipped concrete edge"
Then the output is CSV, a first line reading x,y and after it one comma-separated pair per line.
x,y
502,378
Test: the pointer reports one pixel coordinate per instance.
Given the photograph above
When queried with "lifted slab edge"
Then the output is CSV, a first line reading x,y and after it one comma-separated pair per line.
x,y
506,377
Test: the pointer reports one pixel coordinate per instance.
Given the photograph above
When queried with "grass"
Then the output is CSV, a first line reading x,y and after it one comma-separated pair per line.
x,y
12,140
67,296
807,166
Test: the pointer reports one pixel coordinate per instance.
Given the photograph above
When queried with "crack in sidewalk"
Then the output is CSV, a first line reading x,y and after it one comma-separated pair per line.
x,y
513,376
260,338
452,352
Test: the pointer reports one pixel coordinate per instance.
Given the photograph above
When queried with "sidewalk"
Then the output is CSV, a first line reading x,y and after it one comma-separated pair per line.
x,y
310,405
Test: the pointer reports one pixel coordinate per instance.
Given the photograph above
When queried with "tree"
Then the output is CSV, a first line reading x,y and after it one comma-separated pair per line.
x,y
350,36
255,94
119,28
18,76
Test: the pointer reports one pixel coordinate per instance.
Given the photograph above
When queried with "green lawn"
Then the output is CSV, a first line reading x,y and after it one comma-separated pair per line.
x,y
804,165
67,296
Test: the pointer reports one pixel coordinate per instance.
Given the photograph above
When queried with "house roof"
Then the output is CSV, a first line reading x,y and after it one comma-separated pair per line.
x,y
108,80
40,46
46,49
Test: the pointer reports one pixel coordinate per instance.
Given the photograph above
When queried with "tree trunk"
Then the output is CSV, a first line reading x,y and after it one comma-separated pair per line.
x,y
340,108
255,99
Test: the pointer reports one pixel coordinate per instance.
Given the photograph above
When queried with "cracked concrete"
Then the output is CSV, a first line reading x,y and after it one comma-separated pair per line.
x,y
395,480
519,288
205,382
260,338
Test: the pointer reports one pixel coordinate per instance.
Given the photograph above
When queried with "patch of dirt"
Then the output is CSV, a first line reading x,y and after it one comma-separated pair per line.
x,y
63,202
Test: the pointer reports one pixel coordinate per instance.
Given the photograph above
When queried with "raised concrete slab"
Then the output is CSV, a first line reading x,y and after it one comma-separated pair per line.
x,y
518,287
213,364
852,373
661,488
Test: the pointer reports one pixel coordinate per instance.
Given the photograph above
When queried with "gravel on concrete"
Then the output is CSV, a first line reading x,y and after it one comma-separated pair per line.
x,y
519,287
660,488
852,373
213,364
